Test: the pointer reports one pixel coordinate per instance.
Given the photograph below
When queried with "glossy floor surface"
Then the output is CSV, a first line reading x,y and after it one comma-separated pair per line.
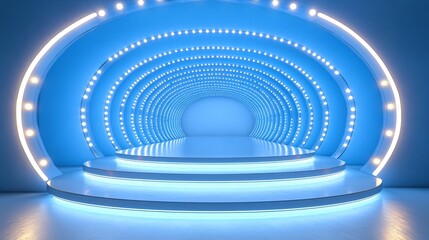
x,y
393,214
207,149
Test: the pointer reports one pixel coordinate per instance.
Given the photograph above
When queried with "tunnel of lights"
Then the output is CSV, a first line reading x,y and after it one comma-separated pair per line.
x,y
124,76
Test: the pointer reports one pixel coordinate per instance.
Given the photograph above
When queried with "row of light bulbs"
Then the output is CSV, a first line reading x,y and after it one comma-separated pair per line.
x,y
232,32
190,72
136,66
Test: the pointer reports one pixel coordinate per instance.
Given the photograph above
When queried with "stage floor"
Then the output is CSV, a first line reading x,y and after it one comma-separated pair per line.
x,y
392,214
215,149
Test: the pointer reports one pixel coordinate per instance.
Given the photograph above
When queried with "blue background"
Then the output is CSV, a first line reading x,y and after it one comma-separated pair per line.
x,y
396,29
217,116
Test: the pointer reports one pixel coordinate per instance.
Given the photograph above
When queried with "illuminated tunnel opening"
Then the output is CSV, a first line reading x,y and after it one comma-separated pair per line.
x,y
217,116
128,80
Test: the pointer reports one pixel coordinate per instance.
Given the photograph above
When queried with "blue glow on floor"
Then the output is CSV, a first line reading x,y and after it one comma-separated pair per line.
x,y
393,214
214,184
347,206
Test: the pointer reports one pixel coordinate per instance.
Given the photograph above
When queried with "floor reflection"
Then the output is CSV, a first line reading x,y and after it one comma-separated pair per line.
x,y
394,214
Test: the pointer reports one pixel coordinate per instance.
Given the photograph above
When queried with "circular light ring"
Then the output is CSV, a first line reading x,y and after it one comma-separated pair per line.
x,y
237,91
215,64
241,96
296,45
170,91
176,100
248,80
30,149
207,91
264,102
170,108
189,89
136,66
227,70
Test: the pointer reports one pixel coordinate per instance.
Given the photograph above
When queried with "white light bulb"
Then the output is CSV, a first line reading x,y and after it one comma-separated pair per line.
x,y
390,106
28,106
140,2
43,162
101,13
119,6
293,6
29,133
34,80
384,83
275,3
376,161
389,133
312,12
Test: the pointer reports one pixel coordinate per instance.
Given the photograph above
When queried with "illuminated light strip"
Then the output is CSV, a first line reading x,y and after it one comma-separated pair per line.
x,y
226,70
176,87
188,77
135,182
389,77
264,64
181,83
143,163
233,65
209,91
152,80
24,84
224,215
216,76
216,31
183,60
218,56
208,81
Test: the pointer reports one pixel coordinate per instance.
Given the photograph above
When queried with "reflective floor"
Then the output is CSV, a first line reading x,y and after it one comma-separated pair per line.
x,y
393,214
215,149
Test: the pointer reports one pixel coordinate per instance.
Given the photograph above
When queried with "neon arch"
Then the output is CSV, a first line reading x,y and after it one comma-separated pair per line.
x,y
26,107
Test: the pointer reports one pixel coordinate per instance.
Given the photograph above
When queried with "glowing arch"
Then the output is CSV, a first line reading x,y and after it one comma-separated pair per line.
x,y
32,144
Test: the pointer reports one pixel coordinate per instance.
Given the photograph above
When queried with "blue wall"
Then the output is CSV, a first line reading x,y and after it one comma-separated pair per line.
x,y
397,29
217,116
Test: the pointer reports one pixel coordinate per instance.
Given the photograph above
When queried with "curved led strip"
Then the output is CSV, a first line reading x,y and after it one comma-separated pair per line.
x,y
202,80
232,66
175,99
215,31
204,76
214,86
156,78
194,71
23,87
395,135
177,61
240,57
267,65
181,82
